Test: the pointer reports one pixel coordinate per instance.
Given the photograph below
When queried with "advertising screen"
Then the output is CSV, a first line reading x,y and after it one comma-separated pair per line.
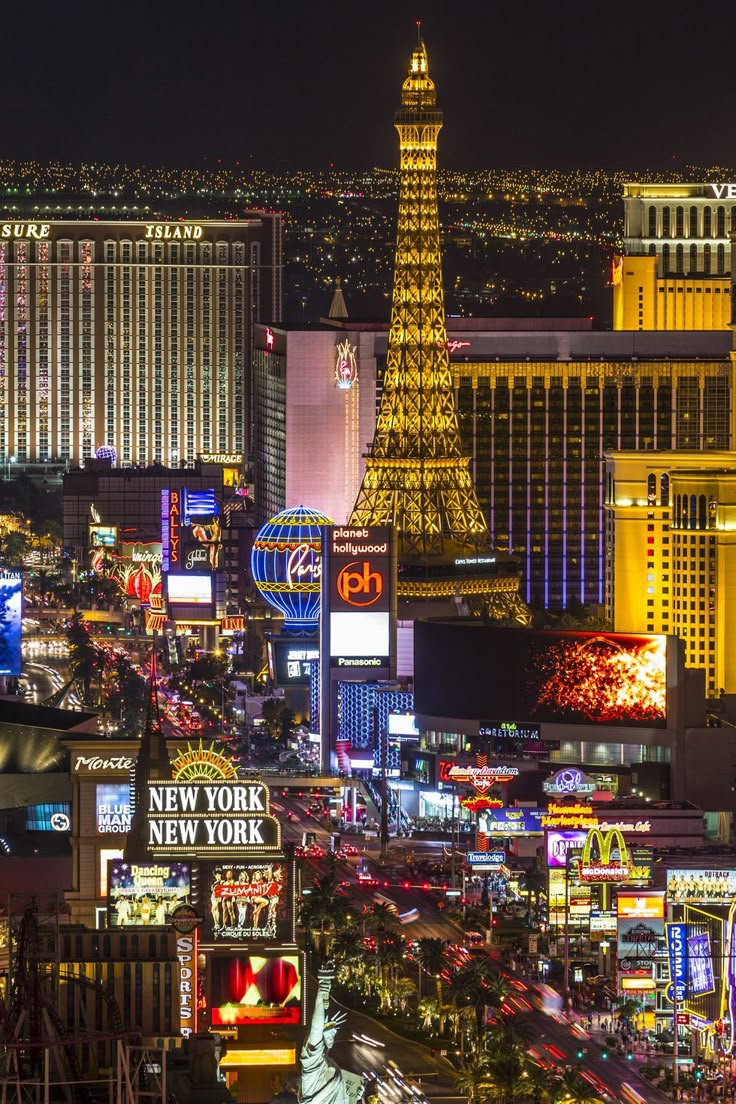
x,y
255,989
114,811
292,661
145,894
640,906
11,601
511,822
700,965
559,843
699,886
248,901
189,590
540,675
103,536
359,596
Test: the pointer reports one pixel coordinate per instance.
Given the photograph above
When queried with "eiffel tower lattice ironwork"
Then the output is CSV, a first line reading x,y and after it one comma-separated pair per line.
x,y
417,477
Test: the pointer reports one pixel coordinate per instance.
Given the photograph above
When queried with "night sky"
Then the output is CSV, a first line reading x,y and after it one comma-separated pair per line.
x,y
284,85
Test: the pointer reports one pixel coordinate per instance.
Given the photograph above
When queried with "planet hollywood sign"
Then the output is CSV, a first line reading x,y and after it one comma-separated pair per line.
x,y
201,818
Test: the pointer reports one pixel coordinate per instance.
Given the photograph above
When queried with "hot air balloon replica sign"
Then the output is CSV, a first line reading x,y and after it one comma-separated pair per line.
x,y
286,565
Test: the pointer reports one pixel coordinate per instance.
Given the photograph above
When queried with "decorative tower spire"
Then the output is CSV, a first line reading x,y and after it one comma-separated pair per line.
x,y
338,308
416,475
151,765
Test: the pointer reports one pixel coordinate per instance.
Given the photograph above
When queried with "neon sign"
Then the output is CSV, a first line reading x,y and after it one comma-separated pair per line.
x,y
36,230
346,368
569,781
198,818
480,801
176,232
269,339
186,952
454,345
605,868
480,777
723,191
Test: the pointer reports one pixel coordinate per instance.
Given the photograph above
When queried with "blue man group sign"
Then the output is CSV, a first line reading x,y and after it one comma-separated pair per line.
x,y
11,594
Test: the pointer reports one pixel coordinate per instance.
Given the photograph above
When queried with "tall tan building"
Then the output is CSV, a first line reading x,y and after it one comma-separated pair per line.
x,y
675,273
671,553
134,335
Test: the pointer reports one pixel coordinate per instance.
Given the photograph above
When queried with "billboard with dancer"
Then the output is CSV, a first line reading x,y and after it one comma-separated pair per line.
x,y
249,901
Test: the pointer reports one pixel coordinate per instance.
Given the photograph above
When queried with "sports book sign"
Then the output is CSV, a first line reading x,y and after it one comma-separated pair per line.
x,y
204,818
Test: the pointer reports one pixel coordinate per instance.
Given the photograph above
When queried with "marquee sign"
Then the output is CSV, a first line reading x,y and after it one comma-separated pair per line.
x,y
201,819
613,862
570,780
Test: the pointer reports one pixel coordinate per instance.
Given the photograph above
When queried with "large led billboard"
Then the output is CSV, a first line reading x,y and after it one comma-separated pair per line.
x,y
700,975
699,886
248,901
465,668
114,810
560,843
291,660
250,989
189,590
359,597
11,601
145,894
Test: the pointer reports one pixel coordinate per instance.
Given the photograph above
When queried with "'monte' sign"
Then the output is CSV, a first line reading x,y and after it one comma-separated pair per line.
x,y
202,818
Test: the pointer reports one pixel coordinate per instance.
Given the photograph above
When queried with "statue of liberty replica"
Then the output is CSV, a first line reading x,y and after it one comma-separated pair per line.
x,y
322,1080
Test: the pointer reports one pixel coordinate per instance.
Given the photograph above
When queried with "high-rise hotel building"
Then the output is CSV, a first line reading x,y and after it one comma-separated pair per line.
x,y
675,273
538,405
135,335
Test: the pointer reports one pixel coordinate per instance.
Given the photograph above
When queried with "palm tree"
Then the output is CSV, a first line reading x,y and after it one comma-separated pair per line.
x,y
470,985
428,1012
540,1085
404,989
433,957
380,918
507,1064
472,1078
324,910
574,1089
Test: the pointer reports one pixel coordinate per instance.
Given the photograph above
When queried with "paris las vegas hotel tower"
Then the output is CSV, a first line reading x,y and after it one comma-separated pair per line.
x,y
136,335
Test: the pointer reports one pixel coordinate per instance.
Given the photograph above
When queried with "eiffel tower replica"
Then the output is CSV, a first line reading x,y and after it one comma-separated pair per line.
x,y
417,477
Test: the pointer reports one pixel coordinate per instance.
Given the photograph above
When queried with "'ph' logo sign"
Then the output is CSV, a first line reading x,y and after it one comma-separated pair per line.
x,y
358,585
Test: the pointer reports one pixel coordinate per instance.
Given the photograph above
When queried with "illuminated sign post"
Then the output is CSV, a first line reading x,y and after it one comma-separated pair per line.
x,y
569,781
358,616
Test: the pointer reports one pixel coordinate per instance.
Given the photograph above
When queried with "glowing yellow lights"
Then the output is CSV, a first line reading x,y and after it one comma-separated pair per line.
x,y
201,764
258,1056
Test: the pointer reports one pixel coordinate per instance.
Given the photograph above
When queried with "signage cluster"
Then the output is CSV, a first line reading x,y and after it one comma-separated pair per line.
x,y
359,597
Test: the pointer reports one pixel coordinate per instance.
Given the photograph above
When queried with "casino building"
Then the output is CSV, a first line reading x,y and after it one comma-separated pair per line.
x,y
135,335
539,401
675,273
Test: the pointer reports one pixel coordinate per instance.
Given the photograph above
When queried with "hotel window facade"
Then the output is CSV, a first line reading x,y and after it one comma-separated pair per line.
x,y
132,335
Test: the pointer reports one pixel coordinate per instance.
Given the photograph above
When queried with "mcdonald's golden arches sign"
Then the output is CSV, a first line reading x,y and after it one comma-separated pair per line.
x,y
605,857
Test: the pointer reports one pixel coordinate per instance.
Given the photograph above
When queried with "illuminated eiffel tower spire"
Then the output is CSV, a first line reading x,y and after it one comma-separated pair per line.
x,y
417,477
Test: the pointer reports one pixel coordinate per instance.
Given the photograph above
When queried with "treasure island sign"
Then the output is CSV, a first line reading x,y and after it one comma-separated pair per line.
x,y
203,818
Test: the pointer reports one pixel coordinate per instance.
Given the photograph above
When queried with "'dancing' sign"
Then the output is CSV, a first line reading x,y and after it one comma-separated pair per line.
x,y
202,818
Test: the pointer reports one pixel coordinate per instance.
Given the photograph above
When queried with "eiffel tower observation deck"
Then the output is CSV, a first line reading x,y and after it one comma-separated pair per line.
x,y
417,477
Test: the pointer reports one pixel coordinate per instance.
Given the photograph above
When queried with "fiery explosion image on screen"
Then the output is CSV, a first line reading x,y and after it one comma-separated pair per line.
x,y
602,679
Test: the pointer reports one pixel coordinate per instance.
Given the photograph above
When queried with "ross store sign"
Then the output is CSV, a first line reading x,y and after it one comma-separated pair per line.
x,y
612,863
186,952
677,949
569,781
201,818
